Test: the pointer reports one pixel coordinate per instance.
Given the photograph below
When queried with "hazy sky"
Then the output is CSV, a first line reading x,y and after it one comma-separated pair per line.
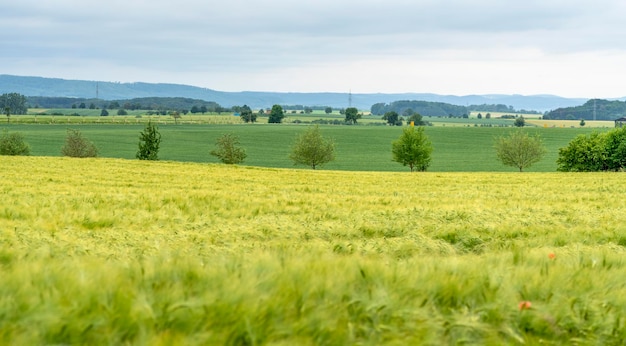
x,y
570,48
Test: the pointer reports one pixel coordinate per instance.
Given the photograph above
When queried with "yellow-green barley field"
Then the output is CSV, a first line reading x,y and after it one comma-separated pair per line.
x,y
119,252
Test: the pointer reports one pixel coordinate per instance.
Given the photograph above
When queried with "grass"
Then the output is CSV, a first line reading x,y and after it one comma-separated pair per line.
x,y
110,251
456,148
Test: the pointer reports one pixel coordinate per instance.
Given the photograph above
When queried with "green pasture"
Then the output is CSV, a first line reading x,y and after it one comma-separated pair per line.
x,y
359,148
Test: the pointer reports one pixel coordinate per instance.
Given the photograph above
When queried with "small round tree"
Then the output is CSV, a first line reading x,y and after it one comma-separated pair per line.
x,y
228,150
149,143
412,149
520,122
78,146
311,149
519,149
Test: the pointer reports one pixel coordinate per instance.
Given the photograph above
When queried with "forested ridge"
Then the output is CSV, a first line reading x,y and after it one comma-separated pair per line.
x,y
593,109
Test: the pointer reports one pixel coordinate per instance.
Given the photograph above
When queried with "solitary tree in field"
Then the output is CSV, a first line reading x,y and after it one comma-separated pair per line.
x,y
352,115
276,114
228,150
149,142
520,122
519,149
311,149
7,111
391,118
78,146
247,115
328,110
412,149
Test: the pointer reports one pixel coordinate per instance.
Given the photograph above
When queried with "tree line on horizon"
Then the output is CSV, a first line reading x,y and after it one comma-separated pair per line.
x,y
15,103
441,109
185,105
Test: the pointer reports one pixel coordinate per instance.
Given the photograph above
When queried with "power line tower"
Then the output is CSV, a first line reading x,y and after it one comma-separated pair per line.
x,y
594,109
350,98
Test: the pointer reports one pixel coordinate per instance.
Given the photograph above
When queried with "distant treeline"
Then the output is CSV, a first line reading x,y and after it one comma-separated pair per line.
x,y
144,103
603,109
303,107
440,109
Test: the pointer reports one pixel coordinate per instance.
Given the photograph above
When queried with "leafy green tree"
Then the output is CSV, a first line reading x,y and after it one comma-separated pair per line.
x,y
7,111
328,110
615,149
16,104
104,112
520,121
519,149
247,115
412,149
582,122
584,154
149,143
416,118
78,146
228,150
276,114
352,115
122,111
311,149
13,144
391,118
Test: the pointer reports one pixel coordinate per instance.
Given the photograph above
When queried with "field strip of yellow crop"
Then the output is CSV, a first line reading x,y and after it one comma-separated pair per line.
x,y
108,251
571,123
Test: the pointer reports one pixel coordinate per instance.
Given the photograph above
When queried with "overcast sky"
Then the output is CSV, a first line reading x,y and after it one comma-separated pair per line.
x,y
570,48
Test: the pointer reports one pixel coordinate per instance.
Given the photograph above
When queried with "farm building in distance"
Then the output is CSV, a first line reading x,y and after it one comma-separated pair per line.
x,y
620,122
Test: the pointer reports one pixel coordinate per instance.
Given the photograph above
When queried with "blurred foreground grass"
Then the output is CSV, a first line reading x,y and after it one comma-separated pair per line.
x,y
108,251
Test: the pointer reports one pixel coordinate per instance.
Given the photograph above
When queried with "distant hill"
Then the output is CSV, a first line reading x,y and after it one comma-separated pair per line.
x,y
55,87
600,109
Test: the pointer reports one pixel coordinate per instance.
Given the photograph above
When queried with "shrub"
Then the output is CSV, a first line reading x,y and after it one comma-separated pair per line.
x,y
228,150
584,154
595,152
519,149
13,144
311,149
78,146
